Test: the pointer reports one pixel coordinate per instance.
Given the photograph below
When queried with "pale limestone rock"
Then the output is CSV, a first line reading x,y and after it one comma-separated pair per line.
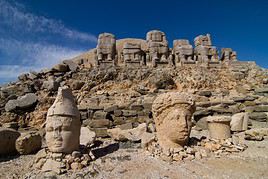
x,y
52,165
204,40
183,50
63,123
172,113
132,53
257,132
29,142
157,46
204,51
239,122
147,139
87,137
60,68
106,48
51,84
219,127
134,134
76,166
227,54
72,66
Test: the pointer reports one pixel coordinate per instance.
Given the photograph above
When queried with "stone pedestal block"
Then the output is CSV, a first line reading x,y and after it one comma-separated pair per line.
x,y
219,127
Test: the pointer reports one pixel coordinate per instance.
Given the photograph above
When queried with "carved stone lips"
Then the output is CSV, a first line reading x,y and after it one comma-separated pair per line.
x,y
58,144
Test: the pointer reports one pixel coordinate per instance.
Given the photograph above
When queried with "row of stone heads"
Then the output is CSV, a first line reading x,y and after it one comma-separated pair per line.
x,y
158,51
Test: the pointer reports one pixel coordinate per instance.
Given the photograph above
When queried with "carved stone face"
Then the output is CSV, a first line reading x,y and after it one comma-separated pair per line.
x,y
175,126
157,37
202,40
172,114
62,133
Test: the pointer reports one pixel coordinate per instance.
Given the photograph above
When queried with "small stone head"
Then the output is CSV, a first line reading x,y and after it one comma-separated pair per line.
x,y
63,123
172,114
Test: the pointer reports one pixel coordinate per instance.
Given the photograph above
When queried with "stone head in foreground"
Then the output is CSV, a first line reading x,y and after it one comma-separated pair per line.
x,y
63,123
172,114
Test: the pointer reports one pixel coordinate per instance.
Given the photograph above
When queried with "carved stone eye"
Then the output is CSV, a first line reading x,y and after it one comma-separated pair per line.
x,y
66,128
49,129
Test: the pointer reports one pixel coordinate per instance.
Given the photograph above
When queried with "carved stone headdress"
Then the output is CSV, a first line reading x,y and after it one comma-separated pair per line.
x,y
172,99
64,104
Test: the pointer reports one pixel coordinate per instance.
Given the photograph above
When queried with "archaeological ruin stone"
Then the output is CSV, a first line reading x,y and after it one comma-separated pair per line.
x,y
106,48
204,51
63,123
239,122
227,54
157,47
219,127
155,52
183,51
87,137
132,53
172,114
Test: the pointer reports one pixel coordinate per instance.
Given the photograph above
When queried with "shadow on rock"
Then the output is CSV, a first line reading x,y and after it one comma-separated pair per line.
x,y
100,152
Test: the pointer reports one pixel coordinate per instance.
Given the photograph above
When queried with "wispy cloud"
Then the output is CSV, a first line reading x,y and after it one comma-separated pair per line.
x,y
16,18
32,56
32,42
12,71
36,54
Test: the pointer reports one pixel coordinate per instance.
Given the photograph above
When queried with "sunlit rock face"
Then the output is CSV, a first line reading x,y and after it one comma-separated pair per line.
x,y
63,123
172,114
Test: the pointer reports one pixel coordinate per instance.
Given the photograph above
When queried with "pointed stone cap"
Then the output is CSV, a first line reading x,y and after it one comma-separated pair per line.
x,y
64,104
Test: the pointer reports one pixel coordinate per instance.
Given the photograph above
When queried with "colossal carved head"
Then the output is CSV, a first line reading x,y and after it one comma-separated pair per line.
x,y
204,40
172,114
63,123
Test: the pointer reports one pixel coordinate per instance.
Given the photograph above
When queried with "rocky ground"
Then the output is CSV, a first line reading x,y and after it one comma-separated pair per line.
x,y
135,163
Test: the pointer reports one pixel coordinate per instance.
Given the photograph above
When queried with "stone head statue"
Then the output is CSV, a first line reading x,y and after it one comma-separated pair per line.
x,y
172,114
155,36
63,123
204,40
106,47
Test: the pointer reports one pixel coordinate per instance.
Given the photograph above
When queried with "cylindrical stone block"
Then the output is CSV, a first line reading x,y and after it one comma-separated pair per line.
x,y
219,127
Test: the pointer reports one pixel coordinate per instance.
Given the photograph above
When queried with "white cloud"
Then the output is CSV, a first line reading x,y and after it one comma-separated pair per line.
x,y
13,71
32,57
21,51
16,18
36,54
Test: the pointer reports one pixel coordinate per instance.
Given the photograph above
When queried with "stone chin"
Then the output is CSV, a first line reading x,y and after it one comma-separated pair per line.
x,y
179,138
57,149
61,149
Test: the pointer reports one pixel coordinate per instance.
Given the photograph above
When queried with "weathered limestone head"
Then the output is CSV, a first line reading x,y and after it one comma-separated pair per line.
x,y
132,51
204,40
156,36
182,46
228,54
172,114
106,47
63,123
106,40
157,44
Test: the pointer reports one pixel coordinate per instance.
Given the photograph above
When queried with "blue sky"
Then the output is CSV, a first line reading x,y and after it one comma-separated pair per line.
x,y
37,34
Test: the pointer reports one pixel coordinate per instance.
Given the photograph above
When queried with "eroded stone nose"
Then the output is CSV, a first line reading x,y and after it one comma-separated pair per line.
x,y
56,134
